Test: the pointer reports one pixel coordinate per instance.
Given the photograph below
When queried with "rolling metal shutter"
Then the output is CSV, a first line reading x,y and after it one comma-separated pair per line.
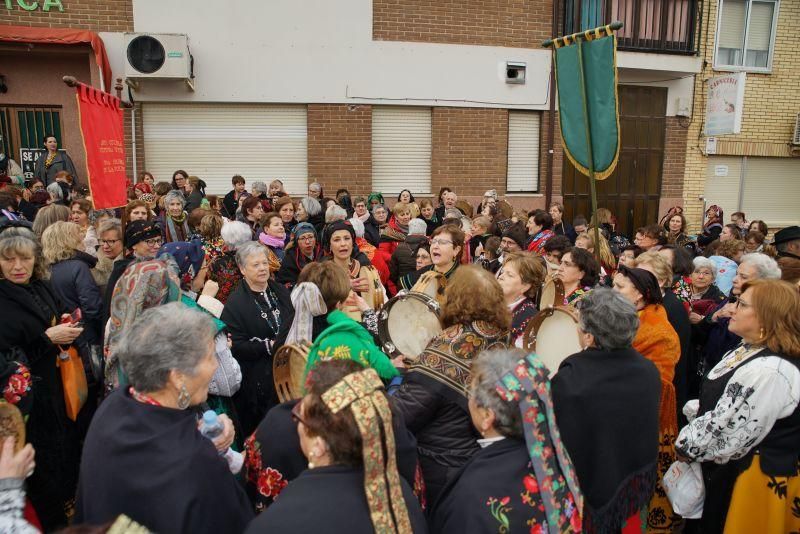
x,y
772,191
401,149
523,152
215,141
724,190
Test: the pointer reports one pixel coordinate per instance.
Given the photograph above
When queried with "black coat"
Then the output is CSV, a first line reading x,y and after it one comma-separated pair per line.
x,y
193,201
245,324
679,319
230,205
153,465
328,499
607,407
404,257
25,313
566,229
372,231
74,285
62,162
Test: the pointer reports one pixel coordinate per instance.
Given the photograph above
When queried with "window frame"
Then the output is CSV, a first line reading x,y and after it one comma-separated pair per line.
x,y
744,68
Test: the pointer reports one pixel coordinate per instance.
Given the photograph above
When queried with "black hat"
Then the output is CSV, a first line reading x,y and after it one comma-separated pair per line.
x,y
138,231
645,282
790,233
518,234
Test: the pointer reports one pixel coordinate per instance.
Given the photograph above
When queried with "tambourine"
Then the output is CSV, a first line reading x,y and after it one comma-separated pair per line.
x,y
433,284
553,335
12,425
408,322
465,208
505,209
288,368
551,294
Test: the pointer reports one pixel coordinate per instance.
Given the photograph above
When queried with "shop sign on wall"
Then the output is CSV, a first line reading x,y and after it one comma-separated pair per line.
x,y
33,5
725,104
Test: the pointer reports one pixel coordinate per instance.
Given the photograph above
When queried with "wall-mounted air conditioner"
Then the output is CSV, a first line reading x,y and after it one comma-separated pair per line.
x,y
158,56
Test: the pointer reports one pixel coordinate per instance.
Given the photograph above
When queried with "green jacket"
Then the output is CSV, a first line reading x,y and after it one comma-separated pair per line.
x,y
345,338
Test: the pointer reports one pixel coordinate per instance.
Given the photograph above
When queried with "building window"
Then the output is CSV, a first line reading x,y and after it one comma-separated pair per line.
x,y
401,149
523,152
746,34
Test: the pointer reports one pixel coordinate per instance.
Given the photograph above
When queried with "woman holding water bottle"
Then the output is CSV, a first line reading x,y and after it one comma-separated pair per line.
x,y
146,439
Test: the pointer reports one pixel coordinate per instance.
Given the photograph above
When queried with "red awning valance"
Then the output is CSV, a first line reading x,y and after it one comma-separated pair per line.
x,y
24,34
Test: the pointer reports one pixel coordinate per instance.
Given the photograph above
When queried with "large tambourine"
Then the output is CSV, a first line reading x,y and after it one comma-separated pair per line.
x,y
288,368
553,335
465,208
551,294
408,322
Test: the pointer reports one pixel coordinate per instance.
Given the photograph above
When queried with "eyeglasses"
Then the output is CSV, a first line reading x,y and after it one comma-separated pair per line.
x,y
297,413
306,238
438,241
109,242
156,242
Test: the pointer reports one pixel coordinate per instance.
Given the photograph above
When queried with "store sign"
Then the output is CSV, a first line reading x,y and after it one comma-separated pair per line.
x,y
27,160
33,5
725,104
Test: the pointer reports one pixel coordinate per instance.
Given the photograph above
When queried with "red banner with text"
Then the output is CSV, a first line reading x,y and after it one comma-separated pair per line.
x,y
102,132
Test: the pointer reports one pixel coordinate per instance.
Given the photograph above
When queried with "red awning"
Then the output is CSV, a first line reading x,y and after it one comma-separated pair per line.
x,y
24,34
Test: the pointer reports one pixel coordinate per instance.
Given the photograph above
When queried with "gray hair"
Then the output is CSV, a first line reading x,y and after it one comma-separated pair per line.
x,y
487,369
701,262
335,213
609,317
767,267
358,226
107,225
453,213
378,207
311,205
417,227
245,250
55,191
259,186
165,338
18,231
234,233
174,195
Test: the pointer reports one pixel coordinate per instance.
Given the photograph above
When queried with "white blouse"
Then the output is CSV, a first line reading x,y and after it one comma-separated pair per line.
x,y
756,396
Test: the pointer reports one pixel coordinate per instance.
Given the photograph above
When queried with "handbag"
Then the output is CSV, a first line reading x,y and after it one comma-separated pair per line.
x,y
73,380
686,491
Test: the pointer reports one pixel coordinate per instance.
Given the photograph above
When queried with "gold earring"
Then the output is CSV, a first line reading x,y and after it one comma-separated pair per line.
x,y
761,333
184,398
311,464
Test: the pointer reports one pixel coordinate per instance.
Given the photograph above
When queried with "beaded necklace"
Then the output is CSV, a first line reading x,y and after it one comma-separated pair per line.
x,y
273,315
141,397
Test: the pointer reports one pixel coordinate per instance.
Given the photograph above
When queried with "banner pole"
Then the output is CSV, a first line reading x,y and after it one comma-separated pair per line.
x,y
590,157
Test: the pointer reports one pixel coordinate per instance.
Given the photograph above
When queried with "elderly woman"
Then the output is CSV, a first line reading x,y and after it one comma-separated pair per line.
x,y
345,428
173,222
579,272
364,278
111,249
521,279
48,215
223,269
81,214
447,246
433,396
254,313
606,400
251,213
168,355
273,236
657,341
705,294
309,210
498,489
713,332
747,430
35,323
303,249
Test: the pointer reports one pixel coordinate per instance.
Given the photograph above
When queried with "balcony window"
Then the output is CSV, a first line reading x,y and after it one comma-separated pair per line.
x,y
746,34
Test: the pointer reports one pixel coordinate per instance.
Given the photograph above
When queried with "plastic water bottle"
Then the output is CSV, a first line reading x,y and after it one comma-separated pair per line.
x,y
212,428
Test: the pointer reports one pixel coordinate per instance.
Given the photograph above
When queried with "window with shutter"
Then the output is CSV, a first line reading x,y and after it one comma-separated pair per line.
x,y
745,34
401,149
523,152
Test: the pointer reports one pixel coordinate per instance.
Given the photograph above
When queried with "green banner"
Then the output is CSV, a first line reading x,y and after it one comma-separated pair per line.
x,y
586,79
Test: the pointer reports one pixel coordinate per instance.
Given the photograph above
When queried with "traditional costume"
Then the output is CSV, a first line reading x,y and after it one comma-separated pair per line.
x,y
522,311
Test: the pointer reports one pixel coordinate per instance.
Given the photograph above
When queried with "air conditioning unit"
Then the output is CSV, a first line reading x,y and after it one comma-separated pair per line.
x,y
796,136
158,56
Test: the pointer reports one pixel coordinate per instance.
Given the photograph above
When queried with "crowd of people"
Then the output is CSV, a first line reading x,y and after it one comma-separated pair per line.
x,y
121,328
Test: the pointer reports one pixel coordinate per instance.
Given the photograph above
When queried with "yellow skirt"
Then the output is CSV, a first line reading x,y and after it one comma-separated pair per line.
x,y
763,504
660,517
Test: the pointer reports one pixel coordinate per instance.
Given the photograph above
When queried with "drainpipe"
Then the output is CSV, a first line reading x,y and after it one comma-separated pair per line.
x,y
552,117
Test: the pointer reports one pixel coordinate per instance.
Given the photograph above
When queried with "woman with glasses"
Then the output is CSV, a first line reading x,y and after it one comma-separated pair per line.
x,y
301,250
432,397
447,244
745,427
579,272
111,249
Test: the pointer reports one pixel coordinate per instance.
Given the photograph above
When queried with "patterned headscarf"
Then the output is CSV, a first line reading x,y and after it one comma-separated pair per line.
x,y
715,215
528,384
363,393
188,255
143,285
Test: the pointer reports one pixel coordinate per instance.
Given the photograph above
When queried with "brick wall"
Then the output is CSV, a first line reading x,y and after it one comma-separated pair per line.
x,y
340,147
469,149
674,163
511,23
771,104
95,15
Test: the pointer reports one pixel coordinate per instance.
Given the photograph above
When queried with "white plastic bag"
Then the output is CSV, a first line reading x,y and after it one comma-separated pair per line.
x,y
685,489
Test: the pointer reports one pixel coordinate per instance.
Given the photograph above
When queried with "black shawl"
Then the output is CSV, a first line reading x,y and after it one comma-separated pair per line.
x,y
245,324
151,463
328,499
607,407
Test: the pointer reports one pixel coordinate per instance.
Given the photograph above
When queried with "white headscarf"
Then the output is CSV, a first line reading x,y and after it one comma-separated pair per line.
x,y
308,303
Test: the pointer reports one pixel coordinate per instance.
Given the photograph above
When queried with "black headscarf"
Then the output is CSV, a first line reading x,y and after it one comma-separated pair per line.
x,y
645,282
